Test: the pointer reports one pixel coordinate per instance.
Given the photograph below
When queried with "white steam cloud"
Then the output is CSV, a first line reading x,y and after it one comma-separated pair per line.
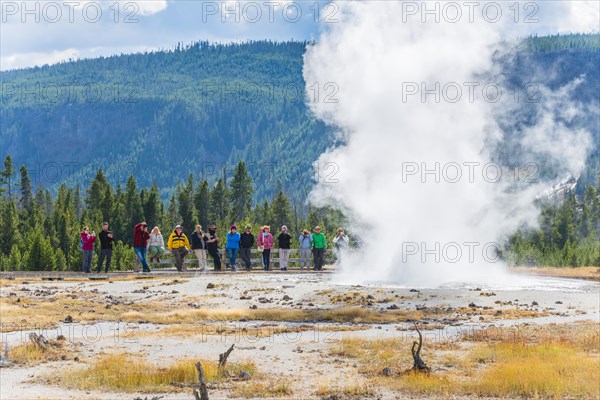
x,y
416,174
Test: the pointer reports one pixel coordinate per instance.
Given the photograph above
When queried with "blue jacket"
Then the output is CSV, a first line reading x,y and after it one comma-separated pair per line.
x,y
305,241
233,241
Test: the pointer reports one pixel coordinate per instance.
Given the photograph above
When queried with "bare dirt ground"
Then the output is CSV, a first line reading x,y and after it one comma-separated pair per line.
x,y
288,325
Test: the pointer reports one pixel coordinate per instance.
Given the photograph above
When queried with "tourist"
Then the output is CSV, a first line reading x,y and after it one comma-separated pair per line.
x,y
179,246
340,244
106,244
87,246
305,240
246,244
284,240
140,243
212,246
319,245
265,243
232,246
156,245
199,244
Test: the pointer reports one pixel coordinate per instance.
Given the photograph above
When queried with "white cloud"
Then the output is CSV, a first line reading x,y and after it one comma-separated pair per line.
x,y
22,60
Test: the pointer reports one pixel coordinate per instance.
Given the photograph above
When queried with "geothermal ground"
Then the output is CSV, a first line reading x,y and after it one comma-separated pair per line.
x,y
298,336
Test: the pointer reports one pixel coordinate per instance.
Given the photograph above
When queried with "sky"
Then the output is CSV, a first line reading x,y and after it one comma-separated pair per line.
x,y
38,32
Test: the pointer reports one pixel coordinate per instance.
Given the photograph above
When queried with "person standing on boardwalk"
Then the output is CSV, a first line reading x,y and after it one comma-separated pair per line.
x,y
106,245
319,245
179,245
284,241
212,245
140,243
232,247
156,245
340,243
199,246
87,246
305,240
265,242
246,244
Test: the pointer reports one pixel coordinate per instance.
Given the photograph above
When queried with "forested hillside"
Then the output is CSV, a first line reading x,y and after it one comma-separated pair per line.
x,y
163,115
199,108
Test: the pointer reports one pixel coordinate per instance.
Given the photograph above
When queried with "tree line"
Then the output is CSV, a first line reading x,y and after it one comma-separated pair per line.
x,y
40,231
568,233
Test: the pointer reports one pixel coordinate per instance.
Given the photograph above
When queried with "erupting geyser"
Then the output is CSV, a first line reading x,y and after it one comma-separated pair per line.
x,y
418,117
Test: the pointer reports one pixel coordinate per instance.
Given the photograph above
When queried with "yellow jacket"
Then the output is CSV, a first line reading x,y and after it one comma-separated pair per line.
x,y
176,242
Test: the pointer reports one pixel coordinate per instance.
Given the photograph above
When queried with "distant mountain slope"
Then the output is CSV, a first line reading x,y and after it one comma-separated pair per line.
x,y
166,114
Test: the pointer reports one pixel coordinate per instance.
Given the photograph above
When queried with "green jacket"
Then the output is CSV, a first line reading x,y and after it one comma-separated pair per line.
x,y
319,241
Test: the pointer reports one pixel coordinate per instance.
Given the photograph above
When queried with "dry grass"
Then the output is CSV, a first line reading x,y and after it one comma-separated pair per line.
x,y
263,388
341,315
559,361
240,329
576,272
27,354
126,373
546,370
358,389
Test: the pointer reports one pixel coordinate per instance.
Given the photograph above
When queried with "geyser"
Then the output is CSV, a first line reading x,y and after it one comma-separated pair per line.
x,y
417,114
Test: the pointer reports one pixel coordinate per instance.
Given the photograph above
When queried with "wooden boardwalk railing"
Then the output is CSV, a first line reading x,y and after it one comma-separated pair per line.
x,y
256,258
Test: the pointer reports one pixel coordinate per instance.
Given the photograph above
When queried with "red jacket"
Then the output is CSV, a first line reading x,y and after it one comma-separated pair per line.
x,y
266,241
88,241
140,237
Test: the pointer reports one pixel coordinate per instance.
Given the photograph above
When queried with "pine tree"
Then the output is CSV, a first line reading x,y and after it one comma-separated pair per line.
x,y
186,205
7,174
241,192
41,255
152,206
280,209
202,203
26,189
219,206
133,204
262,214
15,261
9,231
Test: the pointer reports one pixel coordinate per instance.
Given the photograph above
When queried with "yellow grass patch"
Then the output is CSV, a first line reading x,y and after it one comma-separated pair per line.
x,y
263,388
123,372
560,361
567,272
28,354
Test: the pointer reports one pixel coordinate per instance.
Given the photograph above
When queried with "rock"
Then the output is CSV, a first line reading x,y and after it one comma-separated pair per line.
x,y
286,298
263,348
253,307
244,375
393,307
68,319
60,337
210,285
387,371
472,305
370,297
414,290
558,302
174,292
107,306
243,320
534,303
76,359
